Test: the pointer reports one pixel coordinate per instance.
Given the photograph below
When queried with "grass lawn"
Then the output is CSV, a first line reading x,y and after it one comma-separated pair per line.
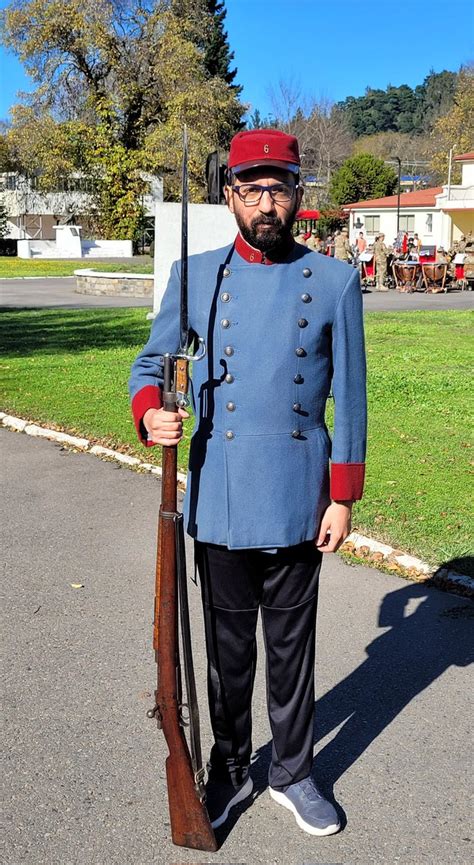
x,y
13,267
70,367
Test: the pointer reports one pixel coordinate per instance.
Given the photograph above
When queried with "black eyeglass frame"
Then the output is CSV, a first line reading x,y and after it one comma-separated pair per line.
x,y
263,189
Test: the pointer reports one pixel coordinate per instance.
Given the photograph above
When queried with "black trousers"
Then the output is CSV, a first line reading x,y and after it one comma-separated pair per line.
x,y
235,584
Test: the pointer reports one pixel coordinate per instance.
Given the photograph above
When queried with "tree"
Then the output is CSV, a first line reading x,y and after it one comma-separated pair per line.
x,y
413,150
362,177
6,163
456,129
116,82
321,128
401,109
435,97
218,56
256,121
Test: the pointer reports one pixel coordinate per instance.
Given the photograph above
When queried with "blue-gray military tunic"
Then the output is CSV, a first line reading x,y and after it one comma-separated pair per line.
x,y
279,338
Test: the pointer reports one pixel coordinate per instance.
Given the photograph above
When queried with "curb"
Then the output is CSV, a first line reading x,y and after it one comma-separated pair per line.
x,y
10,278
366,549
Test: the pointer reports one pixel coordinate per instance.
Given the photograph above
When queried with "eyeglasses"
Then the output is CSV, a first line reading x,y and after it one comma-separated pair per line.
x,y
251,193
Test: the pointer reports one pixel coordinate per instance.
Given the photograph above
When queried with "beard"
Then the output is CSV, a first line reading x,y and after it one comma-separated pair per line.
x,y
267,232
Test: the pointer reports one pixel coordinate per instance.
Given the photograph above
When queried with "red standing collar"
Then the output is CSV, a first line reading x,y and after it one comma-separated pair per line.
x,y
255,256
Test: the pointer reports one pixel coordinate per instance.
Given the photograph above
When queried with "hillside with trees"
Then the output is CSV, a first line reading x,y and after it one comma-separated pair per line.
x,y
419,125
401,109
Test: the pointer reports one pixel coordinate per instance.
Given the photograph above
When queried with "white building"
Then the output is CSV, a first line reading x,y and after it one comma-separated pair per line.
x,y
33,214
456,203
439,215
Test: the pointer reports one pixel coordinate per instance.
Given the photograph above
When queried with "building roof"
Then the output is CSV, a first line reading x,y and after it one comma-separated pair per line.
x,y
464,157
419,198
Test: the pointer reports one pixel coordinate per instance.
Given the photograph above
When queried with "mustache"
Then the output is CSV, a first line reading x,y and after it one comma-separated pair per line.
x,y
267,220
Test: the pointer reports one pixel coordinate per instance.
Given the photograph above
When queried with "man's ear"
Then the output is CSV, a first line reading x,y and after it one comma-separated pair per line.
x,y
299,195
229,198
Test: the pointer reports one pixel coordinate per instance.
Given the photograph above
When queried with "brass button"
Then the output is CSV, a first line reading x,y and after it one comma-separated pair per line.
x,y
296,433
298,379
229,378
230,406
306,298
226,271
300,352
296,406
225,297
306,272
229,434
302,322
225,323
229,351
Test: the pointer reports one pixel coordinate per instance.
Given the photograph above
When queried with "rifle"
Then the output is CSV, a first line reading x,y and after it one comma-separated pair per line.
x,y
190,824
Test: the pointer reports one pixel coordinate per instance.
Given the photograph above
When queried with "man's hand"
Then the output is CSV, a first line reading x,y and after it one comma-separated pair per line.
x,y
335,527
164,427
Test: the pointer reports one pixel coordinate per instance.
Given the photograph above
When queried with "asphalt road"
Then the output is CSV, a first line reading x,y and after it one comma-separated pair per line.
x,y
83,777
46,292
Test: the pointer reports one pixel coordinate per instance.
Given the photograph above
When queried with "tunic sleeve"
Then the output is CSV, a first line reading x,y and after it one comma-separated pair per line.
x,y
349,389
146,379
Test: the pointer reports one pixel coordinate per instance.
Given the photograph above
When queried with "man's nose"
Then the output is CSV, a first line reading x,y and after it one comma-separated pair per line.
x,y
266,202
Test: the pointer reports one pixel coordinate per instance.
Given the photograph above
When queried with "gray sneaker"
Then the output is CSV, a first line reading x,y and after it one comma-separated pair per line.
x,y
221,797
313,813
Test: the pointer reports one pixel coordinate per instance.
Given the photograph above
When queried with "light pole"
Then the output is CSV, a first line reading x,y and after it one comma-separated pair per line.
x,y
398,191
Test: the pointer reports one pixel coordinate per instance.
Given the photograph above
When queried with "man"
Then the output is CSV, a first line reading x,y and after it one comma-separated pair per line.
x,y
361,243
342,247
441,256
281,324
301,237
381,253
314,241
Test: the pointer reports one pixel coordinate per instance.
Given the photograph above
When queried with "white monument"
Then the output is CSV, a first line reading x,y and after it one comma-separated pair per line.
x,y
209,226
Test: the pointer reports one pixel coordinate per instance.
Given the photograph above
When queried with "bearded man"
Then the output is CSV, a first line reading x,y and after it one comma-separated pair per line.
x,y
283,327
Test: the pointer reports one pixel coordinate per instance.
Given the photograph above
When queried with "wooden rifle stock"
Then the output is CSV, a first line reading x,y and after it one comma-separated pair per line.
x,y
190,824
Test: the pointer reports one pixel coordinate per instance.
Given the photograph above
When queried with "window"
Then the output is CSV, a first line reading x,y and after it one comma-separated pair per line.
x,y
372,224
429,223
407,223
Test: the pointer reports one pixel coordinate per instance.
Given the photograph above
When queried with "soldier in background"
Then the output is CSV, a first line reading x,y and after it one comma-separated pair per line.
x,y
342,247
314,242
381,253
301,236
441,256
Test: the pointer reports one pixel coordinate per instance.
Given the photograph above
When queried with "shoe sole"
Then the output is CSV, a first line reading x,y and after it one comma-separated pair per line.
x,y
311,830
239,797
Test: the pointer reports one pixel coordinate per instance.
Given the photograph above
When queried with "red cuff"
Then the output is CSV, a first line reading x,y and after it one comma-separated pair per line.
x,y
148,397
347,481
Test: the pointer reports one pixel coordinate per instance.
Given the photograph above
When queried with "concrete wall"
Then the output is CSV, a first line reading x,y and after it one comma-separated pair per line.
x,y
209,227
90,249
107,248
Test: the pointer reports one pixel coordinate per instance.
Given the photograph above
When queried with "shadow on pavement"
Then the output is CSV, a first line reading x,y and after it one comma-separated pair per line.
x,y
427,631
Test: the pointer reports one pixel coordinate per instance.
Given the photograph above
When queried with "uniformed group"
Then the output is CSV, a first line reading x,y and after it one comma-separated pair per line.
x,y
269,491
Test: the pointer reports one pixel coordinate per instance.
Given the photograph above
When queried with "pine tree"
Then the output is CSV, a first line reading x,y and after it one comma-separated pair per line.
x,y
218,56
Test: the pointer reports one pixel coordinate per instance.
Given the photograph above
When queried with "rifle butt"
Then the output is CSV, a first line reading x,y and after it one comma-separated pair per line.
x,y
190,824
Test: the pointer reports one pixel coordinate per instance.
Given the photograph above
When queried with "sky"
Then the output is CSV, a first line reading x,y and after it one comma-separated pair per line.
x,y
327,51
